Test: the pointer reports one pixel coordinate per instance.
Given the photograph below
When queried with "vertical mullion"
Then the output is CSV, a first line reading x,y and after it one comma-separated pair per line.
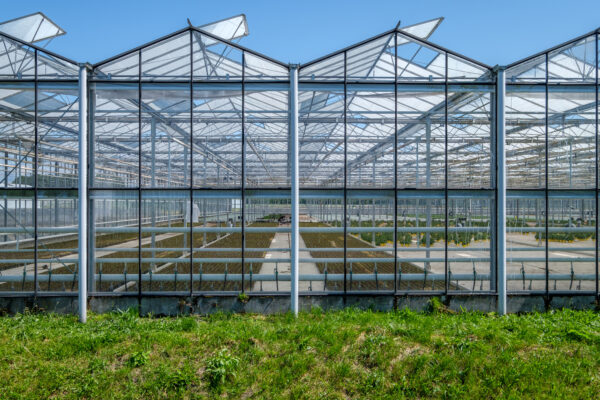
x,y
500,186
294,183
494,254
596,193
139,181
82,195
243,172
192,164
345,176
547,206
35,180
396,162
89,171
446,283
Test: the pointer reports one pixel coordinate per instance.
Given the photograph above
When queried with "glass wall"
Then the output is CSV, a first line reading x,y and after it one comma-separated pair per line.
x,y
189,170
39,127
392,134
190,134
552,161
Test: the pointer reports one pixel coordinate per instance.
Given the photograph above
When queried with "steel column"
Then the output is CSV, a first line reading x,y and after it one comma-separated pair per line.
x,y
295,181
501,188
82,181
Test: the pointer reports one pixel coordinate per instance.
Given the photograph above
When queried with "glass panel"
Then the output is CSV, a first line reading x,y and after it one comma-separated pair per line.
x,y
370,241
525,136
329,69
166,236
126,67
16,241
321,132
463,70
371,61
51,67
469,241
267,233
114,242
17,61
571,137
259,68
322,238
469,136
57,244
17,135
267,136
421,244
370,136
114,135
421,136
575,62
214,60
165,135
571,241
418,62
217,233
58,135
423,29
526,241
168,59
533,70
217,136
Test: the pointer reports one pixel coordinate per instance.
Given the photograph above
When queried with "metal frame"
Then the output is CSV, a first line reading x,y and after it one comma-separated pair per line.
x,y
501,191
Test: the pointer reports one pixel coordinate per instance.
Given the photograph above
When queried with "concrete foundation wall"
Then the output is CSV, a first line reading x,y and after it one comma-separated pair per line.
x,y
174,305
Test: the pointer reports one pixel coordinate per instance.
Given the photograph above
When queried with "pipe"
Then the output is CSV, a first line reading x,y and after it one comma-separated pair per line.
x,y
82,181
295,183
371,277
501,190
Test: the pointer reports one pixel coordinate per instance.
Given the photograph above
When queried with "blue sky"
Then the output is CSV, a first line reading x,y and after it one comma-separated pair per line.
x,y
489,31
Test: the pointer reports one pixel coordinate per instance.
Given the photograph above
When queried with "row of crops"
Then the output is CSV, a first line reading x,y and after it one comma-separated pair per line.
x,y
165,246
564,237
423,239
335,240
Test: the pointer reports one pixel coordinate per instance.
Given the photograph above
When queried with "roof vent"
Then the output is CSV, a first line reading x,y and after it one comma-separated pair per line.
x,y
32,28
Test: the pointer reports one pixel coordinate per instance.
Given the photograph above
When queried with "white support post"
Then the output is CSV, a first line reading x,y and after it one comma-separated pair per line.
x,y
82,180
501,187
295,183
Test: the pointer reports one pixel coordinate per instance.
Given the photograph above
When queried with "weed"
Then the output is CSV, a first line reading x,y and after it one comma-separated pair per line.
x,y
579,336
220,368
435,306
371,350
373,381
188,324
243,298
138,358
178,380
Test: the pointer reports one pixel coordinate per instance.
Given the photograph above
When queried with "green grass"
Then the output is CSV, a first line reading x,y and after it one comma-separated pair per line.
x,y
337,355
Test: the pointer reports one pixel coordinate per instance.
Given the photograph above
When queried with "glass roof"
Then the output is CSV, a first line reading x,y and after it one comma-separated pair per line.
x,y
404,54
443,101
574,62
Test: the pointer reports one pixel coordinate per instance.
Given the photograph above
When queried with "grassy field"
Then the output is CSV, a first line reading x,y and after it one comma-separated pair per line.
x,y
338,355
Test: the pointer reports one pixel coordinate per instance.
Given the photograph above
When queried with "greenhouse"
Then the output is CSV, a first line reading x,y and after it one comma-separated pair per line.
x,y
192,172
